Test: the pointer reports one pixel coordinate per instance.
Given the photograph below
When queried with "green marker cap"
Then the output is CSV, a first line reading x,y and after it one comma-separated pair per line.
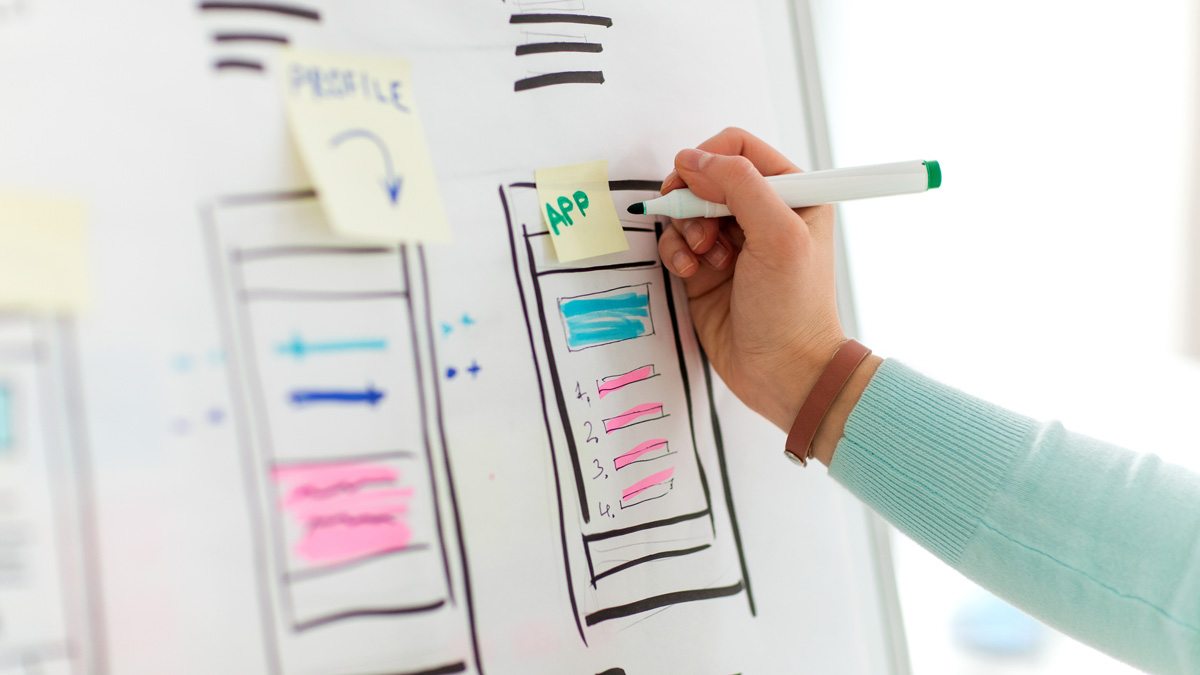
x,y
934,172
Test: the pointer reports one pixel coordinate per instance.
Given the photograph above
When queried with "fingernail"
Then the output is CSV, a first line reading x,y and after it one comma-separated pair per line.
x,y
694,233
693,160
682,263
667,181
717,255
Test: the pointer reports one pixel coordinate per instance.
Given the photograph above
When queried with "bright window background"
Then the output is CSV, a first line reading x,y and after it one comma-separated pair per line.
x,y
1050,272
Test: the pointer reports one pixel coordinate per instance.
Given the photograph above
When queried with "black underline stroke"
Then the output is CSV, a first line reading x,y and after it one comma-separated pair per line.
x,y
273,8
662,601
586,19
554,47
641,264
251,37
252,198
600,536
239,64
648,558
259,253
362,613
613,185
300,295
565,77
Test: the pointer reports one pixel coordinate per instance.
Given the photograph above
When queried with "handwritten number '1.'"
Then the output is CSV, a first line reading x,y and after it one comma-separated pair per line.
x,y
579,393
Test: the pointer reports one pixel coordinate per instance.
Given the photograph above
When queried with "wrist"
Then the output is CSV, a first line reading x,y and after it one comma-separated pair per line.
x,y
833,426
795,380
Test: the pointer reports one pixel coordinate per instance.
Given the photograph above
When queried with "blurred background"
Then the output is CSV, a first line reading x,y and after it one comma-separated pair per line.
x,y
1055,271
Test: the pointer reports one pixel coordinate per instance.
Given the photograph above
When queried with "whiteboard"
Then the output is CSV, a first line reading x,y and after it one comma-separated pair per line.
x,y
566,506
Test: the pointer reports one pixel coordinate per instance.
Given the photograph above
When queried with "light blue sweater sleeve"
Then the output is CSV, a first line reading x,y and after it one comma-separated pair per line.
x,y
1094,540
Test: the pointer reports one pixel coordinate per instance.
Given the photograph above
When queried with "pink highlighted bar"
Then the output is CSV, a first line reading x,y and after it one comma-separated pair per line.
x,y
633,455
614,382
634,416
647,483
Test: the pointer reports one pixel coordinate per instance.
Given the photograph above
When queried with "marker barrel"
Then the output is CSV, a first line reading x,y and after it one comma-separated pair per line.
x,y
818,187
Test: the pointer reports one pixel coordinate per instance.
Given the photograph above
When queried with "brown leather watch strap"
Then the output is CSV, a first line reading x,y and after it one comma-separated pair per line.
x,y
816,405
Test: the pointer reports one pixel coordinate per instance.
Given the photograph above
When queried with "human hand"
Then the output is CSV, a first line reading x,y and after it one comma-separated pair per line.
x,y
760,283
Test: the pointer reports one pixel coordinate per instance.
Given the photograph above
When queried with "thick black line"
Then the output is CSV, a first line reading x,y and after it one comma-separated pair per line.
x,y
723,468
537,369
468,597
613,671
239,64
251,254
551,47
286,10
357,613
601,536
267,197
85,477
639,185
240,414
546,233
459,667
316,572
647,264
648,558
565,77
572,449
663,600
425,431
562,18
613,185
250,37
297,295
687,387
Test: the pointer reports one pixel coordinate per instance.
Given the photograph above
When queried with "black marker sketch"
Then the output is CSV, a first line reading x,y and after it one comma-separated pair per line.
x,y
639,470
557,34
51,616
343,445
253,44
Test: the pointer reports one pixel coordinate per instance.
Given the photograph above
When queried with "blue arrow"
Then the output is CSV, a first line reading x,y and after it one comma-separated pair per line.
x,y
299,348
370,396
391,182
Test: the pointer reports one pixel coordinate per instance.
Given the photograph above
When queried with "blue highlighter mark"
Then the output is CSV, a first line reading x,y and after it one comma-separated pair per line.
x,y
610,316
370,396
299,347
6,422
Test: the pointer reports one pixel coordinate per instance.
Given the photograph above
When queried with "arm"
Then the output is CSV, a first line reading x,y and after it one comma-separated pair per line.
x,y
1099,542
1096,541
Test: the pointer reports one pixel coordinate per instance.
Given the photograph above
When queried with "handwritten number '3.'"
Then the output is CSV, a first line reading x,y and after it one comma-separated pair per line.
x,y
599,470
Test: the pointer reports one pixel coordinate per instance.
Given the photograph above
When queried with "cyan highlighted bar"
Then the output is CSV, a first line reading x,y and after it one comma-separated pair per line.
x,y
6,420
609,316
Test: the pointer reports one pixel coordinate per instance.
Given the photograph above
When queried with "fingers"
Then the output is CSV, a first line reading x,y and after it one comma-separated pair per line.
x,y
699,233
735,141
737,183
699,277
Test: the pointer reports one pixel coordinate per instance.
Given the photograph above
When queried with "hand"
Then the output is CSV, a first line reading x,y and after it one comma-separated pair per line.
x,y
760,283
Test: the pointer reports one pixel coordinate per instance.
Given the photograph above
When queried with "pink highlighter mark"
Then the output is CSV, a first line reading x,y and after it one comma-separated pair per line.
x,y
631,416
632,456
615,382
647,483
348,510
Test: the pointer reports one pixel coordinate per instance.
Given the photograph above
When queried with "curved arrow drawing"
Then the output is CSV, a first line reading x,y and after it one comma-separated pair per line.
x,y
391,182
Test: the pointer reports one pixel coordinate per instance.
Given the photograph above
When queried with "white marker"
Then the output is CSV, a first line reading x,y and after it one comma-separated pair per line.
x,y
810,189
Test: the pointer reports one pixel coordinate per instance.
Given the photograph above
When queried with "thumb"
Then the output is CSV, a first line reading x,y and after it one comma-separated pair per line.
x,y
734,181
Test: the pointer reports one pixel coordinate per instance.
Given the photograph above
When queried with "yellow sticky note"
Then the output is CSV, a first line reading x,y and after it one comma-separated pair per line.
x,y
355,121
43,254
578,208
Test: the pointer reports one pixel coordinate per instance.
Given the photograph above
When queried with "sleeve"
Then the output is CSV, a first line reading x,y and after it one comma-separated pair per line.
x,y
1097,541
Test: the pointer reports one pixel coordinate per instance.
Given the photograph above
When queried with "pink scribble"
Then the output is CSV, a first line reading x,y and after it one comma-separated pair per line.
x,y
647,483
611,384
631,416
631,456
347,510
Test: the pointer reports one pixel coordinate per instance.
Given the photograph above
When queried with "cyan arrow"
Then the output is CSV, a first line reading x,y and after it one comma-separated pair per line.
x,y
299,348
391,182
370,396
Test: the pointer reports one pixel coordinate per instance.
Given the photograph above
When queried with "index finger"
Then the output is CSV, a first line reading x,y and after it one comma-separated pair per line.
x,y
735,141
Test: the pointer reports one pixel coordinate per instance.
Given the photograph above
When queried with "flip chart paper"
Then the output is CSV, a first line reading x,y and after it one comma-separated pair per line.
x,y
578,209
355,121
43,254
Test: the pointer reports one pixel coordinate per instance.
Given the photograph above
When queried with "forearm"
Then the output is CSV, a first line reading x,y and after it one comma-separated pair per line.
x,y
1096,541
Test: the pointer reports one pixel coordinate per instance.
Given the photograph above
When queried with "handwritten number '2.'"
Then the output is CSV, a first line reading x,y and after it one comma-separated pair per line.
x,y
591,438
